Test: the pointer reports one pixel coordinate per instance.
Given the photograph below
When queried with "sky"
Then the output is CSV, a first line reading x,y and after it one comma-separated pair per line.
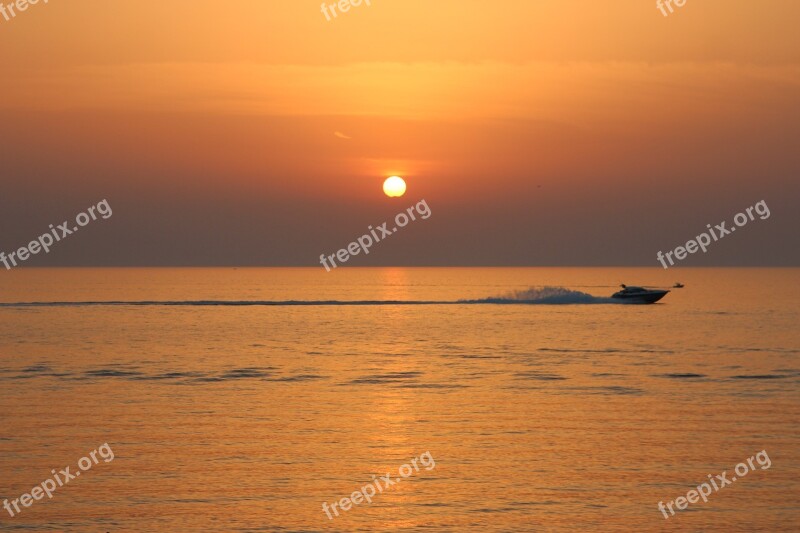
x,y
258,133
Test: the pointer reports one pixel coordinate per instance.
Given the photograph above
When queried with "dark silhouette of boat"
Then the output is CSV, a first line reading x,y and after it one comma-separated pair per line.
x,y
639,295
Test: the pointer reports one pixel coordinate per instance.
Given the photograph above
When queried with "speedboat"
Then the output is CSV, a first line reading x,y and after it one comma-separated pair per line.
x,y
639,295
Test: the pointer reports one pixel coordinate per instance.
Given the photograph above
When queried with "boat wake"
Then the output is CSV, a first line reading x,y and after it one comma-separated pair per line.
x,y
541,296
546,295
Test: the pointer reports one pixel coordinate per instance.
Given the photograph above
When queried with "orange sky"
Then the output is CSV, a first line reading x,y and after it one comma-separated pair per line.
x,y
535,129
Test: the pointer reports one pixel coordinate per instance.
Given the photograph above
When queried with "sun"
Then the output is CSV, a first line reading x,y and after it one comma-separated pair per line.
x,y
394,187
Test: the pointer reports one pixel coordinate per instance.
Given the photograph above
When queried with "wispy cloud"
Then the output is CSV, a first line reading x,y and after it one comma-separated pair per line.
x,y
575,93
341,135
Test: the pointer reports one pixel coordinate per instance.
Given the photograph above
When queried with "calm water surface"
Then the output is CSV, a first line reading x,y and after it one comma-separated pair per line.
x,y
539,417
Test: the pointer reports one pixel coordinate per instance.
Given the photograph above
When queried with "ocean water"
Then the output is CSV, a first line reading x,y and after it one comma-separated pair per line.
x,y
546,407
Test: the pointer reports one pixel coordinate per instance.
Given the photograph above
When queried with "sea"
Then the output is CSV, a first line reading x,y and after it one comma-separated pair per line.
x,y
492,399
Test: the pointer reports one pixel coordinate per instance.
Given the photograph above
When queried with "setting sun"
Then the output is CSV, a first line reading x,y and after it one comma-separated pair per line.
x,y
394,187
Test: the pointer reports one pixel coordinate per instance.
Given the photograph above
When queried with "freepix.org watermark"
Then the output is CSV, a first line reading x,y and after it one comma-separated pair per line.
x,y
343,5
378,484
9,11
46,240
363,243
702,241
703,490
668,3
60,479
